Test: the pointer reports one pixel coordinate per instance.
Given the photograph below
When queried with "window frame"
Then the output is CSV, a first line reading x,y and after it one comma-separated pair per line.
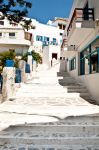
x,y
39,38
72,64
88,56
1,23
0,34
13,35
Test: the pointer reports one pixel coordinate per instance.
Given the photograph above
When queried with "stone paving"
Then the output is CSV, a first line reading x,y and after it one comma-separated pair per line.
x,y
42,101
41,98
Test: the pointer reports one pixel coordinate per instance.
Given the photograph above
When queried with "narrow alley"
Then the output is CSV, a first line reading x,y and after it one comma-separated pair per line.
x,y
44,104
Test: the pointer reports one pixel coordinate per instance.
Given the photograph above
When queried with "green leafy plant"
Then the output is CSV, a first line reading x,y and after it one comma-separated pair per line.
x,y
36,56
25,56
5,56
14,10
27,24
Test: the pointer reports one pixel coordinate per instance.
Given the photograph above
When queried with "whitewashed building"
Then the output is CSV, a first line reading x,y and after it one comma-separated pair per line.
x,y
80,47
47,39
14,38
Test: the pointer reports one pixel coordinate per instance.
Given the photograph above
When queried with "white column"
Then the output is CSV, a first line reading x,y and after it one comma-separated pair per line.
x,y
8,89
30,62
22,65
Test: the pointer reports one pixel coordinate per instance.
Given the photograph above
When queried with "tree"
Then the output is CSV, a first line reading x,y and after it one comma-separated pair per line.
x,y
27,24
36,56
14,10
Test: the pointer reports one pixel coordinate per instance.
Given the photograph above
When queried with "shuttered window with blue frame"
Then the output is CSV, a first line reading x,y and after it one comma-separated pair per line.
x,y
72,64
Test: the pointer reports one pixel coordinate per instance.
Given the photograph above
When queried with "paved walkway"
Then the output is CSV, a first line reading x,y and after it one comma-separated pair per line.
x,y
43,100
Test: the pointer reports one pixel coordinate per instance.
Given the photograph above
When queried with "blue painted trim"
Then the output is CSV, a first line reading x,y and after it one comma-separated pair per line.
x,y
98,58
72,63
9,63
72,58
87,46
90,63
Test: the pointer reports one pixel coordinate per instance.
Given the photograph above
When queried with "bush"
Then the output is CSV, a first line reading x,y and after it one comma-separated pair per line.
x,y
36,56
6,55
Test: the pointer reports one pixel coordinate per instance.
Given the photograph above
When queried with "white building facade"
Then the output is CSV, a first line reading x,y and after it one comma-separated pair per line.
x,y
47,39
81,45
14,38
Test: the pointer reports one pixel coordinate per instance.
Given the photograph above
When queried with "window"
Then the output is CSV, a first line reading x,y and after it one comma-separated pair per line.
x,y
12,35
28,36
64,27
60,26
89,62
14,24
73,64
54,41
46,39
39,38
61,41
0,34
12,50
61,34
1,22
94,62
60,58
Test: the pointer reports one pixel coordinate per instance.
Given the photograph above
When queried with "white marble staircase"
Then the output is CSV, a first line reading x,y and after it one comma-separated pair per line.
x,y
72,133
43,116
73,86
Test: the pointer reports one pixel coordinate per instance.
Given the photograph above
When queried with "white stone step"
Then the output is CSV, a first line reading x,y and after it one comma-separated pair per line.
x,y
74,120
58,132
84,136
89,99
76,86
94,141
67,82
65,74
76,90
46,94
50,147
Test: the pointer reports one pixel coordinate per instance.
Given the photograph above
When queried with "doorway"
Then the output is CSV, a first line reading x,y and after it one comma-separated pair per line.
x,y
54,55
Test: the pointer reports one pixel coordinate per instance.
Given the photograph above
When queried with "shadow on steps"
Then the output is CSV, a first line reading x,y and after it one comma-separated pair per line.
x,y
73,86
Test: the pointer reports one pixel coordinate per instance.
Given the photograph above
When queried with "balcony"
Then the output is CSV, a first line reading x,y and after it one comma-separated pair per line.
x,y
81,25
14,41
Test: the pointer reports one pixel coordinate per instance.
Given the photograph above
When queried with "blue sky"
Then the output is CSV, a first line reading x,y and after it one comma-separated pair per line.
x,y
44,10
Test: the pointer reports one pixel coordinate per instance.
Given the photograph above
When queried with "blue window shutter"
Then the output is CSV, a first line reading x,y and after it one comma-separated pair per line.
x,y
18,76
27,68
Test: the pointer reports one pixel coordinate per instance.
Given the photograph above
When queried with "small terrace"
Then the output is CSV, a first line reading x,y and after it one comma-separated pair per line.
x,y
81,24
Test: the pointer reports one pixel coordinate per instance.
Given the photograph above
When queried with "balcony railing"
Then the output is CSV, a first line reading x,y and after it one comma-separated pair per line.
x,y
46,43
80,15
